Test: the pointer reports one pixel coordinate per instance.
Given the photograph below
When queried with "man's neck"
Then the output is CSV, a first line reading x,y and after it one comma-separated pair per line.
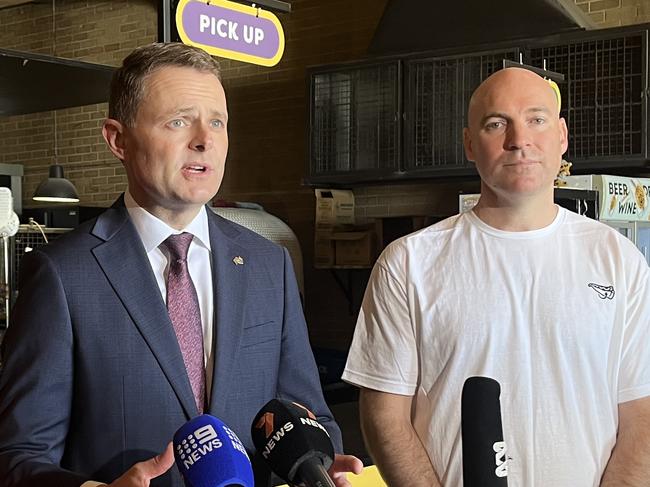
x,y
522,215
177,218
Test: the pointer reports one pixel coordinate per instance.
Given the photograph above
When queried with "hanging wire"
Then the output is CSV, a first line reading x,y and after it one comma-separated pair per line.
x,y
56,138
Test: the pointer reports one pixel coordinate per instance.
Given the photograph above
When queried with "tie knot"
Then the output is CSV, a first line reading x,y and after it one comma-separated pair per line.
x,y
178,245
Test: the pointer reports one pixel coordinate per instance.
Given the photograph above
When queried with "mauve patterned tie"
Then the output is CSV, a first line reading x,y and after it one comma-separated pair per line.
x,y
185,314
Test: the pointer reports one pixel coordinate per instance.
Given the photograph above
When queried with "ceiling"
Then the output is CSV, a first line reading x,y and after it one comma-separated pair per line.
x,y
410,26
36,83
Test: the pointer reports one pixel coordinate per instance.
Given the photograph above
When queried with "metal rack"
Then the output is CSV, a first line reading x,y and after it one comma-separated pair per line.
x,y
604,92
28,237
604,101
438,97
354,119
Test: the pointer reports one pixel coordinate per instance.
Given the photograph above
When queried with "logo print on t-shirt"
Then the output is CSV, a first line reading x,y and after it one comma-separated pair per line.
x,y
604,292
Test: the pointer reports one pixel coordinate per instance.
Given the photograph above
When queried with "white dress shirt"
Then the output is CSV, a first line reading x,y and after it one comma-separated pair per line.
x,y
153,232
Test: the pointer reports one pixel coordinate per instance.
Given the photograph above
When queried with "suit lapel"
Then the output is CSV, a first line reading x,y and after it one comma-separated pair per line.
x,y
229,280
124,261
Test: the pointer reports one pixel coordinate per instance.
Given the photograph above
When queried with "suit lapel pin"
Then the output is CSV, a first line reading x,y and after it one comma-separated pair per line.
x,y
238,260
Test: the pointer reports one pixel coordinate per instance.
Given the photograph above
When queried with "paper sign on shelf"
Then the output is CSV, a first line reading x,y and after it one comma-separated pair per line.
x,y
334,207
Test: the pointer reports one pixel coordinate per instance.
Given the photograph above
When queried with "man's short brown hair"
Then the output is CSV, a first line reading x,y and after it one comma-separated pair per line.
x,y
128,83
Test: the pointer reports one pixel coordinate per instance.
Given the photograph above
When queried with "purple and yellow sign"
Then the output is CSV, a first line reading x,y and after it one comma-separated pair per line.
x,y
231,30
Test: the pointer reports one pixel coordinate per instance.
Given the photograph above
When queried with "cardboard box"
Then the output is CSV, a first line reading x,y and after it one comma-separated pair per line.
x,y
350,248
324,250
354,248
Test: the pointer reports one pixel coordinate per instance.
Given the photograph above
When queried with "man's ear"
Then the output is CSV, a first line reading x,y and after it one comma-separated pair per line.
x,y
113,132
467,143
564,136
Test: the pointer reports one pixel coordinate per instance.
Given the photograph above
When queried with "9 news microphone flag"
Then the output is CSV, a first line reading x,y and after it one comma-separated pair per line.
x,y
296,446
484,451
209,454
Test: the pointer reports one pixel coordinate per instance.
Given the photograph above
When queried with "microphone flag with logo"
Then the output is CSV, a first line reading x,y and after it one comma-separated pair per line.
x,y
484,450
209,454
293,443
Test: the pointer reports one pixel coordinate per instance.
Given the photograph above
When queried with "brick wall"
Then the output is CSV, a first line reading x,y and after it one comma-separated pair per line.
x,y
268,137
268,114
614,13
101,32
268,119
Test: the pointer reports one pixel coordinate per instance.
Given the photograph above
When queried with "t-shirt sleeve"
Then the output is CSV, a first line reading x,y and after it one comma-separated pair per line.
x,y
634,371
383,355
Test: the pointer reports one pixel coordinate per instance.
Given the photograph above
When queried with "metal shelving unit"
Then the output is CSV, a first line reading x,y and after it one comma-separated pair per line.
x,y
354,122
605,92
438,93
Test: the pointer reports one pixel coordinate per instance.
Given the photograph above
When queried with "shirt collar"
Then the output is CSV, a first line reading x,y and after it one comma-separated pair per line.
x,y
153,231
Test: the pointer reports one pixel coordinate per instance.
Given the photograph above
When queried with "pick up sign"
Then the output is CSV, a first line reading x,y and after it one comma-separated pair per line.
x,y
231,30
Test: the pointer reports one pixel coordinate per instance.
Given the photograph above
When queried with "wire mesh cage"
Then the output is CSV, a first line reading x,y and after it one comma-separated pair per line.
x,y
603,94
27,239
439,91
354,119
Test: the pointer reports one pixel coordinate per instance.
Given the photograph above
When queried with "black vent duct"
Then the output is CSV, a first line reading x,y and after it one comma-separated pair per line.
x,y
410,26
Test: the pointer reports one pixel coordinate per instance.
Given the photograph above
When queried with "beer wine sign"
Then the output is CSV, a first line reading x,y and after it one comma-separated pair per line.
x,y
230,30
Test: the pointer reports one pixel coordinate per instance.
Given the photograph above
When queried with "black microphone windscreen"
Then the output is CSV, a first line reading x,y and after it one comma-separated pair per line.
x,y
484,451
288,437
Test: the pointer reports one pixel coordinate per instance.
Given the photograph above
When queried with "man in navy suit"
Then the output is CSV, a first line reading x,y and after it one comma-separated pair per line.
x,y
94,381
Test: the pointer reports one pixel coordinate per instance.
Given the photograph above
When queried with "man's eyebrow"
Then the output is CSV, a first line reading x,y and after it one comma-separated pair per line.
x,y
494,115
539,109
176,113
183,111
192,110
531,110
219,114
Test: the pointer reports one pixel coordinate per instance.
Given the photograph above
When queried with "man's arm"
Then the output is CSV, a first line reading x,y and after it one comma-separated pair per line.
x,y
37,381
629,465
392,441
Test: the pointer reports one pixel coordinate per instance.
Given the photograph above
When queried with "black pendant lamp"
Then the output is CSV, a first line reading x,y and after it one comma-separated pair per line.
x,y
56,188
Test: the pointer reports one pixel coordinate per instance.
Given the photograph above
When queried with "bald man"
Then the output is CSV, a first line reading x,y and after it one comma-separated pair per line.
x,y
552,305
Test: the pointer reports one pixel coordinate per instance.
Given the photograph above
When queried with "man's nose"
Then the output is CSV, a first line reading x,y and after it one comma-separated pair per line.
x,y
517,136
201,140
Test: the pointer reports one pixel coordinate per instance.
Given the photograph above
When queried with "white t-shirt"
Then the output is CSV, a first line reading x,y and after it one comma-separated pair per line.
x,y
560,317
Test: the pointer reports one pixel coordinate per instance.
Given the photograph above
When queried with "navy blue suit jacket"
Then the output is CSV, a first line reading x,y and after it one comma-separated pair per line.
x,y
93,378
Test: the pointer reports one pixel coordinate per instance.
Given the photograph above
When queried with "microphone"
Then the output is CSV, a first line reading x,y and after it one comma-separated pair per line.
x,y
209,454
484,451
296,446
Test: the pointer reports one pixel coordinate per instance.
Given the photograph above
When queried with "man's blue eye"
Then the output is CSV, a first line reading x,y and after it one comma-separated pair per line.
x,y
494,125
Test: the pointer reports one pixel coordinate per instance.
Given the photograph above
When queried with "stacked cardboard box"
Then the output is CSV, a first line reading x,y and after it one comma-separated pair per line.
x,y
338,241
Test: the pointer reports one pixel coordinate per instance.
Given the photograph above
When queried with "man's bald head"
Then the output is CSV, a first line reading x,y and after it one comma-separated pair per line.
x,y
503,81
515,137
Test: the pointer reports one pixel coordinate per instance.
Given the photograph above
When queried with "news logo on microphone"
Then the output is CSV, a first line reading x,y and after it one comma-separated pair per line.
x,y
209,454
266,421
483,445
293,443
